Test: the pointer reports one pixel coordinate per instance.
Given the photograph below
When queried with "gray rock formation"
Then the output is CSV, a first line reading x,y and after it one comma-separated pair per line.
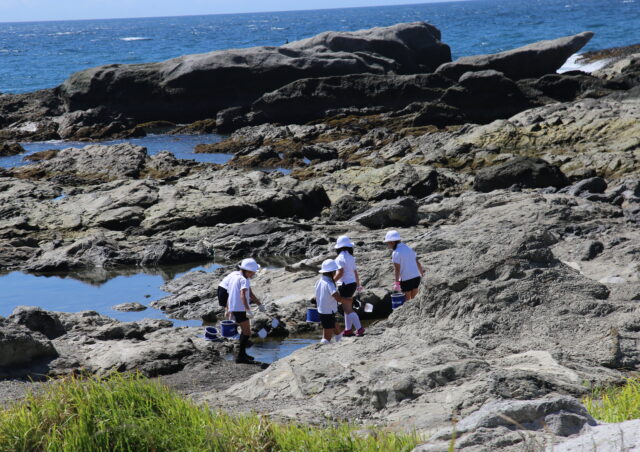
x,y
530,61
98,344
22,349
523,172
401,212
515,424
198,86
623,436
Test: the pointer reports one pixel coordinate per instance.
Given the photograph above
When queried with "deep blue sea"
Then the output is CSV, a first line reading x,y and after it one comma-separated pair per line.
x,y
42,54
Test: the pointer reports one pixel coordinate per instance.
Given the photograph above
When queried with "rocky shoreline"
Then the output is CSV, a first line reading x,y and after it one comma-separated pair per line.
x,y
518,187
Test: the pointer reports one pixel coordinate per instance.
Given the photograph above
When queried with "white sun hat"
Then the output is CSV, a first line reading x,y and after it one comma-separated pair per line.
x,y
249,265
343,242
329,266
392,236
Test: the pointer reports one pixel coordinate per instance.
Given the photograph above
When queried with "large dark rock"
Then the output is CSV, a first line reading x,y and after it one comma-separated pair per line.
x,y
8,148
401,212
524,172
485,96
34,318
20,347
198,86
311,98
530,61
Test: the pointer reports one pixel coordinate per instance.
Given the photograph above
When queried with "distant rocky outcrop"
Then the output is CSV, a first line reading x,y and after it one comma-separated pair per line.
x,y
531,61
198,86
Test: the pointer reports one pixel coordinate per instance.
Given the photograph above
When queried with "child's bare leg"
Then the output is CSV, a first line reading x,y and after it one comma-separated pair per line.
x,y
327,333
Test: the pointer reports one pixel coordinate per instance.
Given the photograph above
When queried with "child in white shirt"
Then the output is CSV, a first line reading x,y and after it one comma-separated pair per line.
x,y
327,299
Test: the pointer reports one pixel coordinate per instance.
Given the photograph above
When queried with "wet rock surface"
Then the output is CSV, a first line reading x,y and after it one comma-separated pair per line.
x,y
519,188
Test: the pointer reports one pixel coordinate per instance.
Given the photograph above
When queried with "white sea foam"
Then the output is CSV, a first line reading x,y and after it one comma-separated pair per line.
x,y
574,64
136,38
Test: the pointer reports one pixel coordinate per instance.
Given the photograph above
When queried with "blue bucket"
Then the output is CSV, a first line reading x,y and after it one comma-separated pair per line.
x,y
211,333
229,328
313,316
397,300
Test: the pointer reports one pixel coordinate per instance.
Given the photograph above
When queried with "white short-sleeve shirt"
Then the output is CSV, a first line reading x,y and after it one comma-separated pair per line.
x,y
225,281
236,283
325,288
406,257
347,262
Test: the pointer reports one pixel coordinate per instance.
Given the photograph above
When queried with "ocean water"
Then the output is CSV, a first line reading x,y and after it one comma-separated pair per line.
x,y
40,55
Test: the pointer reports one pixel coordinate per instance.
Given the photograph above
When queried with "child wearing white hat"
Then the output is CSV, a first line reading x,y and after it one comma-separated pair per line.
x,y
348,282
223,291
239,290
327,299
408,271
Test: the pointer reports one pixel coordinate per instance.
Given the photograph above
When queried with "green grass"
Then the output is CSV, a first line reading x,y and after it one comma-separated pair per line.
x,y
615,404
132,413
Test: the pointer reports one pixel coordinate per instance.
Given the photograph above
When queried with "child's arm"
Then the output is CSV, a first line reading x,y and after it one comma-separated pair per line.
x,y
254,299
420,267
243,295
397,272
339,274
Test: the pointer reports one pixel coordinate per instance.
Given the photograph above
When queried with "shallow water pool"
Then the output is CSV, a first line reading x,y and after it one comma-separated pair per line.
x,y
182,146
98,291
270,350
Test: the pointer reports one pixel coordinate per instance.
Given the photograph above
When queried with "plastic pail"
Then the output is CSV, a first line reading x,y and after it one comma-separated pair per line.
x,y
229,328
211,333
313,316
397,300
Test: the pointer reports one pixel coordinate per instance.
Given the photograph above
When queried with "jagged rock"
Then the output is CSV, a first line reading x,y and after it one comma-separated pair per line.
x,y
313,98
93,162
603,438
346,207
38,320
591,185
513,423
401,212
593,250
20,348
521,171
533,60
593,135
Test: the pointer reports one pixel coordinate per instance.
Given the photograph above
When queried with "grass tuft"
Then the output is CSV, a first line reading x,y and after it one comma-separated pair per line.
x,y
615,404
132,413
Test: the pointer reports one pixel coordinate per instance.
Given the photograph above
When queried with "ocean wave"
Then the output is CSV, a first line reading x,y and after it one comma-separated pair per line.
x,y
574,64
136,38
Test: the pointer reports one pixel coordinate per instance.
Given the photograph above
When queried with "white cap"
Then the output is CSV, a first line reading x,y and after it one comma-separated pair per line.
x,y
343,242
329,266
249,265
392,236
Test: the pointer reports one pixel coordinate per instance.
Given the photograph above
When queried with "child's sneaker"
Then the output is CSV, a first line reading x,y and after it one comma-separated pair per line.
x,y
338,337
360,332
323,341
347,333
